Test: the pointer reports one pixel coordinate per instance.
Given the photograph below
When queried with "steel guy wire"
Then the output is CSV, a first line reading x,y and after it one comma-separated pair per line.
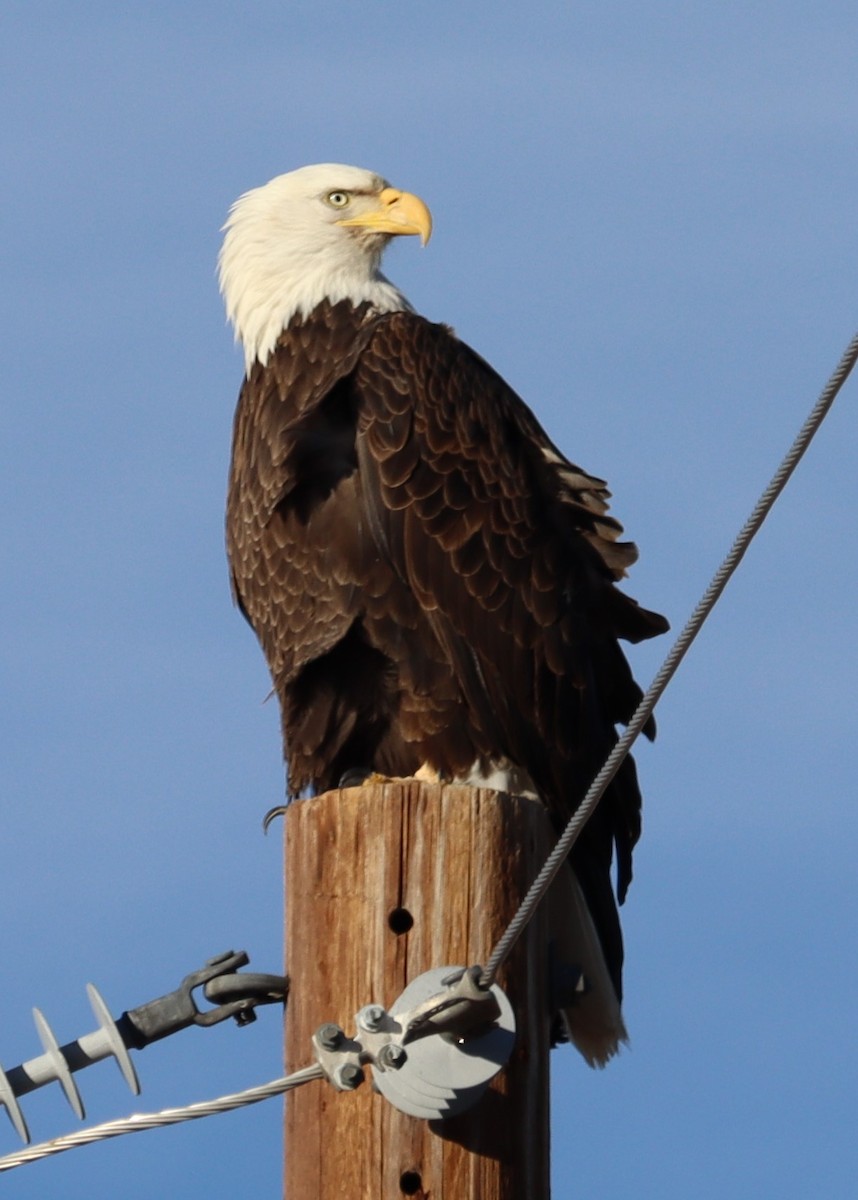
x,y
168,1116
677,652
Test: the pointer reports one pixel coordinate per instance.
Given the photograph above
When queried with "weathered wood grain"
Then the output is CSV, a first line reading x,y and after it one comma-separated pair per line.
x,y
458,860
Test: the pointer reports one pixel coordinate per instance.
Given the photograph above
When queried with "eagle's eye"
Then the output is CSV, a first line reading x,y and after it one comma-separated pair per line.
x,y
338,199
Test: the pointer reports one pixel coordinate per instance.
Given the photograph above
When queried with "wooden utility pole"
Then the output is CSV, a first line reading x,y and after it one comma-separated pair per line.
x,y
383,883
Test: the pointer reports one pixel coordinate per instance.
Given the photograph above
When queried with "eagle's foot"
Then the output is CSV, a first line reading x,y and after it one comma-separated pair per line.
x,y
363,776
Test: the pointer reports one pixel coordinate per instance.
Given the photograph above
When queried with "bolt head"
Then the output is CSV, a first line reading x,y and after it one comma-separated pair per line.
x,y
392,1056
349,1076
371,1017
329,1036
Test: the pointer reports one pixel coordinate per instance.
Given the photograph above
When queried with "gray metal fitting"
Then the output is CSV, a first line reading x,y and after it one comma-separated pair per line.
x,y
391,1056
370,1018
330,1036
348,1077
457,1037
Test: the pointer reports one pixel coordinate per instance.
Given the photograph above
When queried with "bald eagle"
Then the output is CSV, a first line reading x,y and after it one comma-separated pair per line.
x,y
432,581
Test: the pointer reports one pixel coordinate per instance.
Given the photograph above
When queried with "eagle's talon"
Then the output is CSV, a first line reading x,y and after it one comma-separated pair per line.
x,y
279,810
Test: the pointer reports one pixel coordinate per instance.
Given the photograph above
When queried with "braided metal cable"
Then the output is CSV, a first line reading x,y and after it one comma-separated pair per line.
x,y
169,1116
677,652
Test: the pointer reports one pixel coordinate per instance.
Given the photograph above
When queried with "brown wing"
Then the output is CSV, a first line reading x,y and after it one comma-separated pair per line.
x,y
288,457
296,554
360,678
509,552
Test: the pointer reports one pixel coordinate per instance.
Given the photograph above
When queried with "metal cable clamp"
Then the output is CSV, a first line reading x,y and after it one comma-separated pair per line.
x,y
434,1053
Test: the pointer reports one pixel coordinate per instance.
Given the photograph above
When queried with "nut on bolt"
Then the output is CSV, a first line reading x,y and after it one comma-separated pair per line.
x,y
329,1036
348,1076
371,1017
391,1056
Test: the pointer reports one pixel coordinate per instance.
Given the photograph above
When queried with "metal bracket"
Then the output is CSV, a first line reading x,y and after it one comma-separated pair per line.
x,y
462,1008
420,1074
234,995
237,996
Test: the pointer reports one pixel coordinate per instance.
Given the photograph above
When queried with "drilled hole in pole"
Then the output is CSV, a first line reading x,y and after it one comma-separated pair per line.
x,y
400,921
410,1183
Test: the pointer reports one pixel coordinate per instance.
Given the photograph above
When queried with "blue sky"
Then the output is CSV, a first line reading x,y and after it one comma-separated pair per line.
x,y
645,219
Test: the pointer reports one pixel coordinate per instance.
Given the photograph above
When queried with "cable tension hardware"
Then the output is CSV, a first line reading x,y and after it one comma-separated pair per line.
x,y
420,1074
234,994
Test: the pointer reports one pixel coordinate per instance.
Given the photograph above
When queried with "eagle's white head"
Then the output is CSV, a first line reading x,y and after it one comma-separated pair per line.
x,y
315,234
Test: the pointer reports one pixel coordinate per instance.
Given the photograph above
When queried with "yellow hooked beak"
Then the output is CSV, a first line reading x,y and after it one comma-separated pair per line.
x,y
397,213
